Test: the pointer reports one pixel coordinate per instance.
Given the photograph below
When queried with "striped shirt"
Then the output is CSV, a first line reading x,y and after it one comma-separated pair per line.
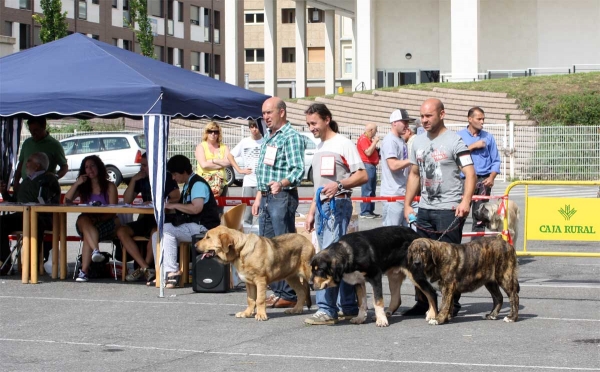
x,y
289,159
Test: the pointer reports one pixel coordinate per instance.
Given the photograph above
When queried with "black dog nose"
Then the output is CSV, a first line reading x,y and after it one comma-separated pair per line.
x,y
417,262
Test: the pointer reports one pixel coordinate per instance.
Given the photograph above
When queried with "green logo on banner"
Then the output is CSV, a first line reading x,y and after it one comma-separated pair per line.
x,y
567,212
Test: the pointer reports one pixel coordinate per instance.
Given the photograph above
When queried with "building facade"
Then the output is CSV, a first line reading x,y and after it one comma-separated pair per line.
x,y
189,34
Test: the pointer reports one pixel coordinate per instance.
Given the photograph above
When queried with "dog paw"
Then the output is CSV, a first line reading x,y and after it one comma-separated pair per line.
x,y
261,317
244,314
433,322
293,311
508,320
491,317
358,319
382,322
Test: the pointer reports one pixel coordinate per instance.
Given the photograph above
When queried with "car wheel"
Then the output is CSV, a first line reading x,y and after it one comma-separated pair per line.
x,y
229,176
114,175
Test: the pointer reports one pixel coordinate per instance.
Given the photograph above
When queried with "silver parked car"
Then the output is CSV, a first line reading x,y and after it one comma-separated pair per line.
x,y
232,176
120,152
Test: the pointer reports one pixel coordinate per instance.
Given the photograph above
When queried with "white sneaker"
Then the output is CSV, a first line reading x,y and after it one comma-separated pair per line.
x,y
97,256
81,277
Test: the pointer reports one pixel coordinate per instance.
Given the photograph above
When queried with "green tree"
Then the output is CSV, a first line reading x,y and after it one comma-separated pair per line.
x,y
138,14
54,23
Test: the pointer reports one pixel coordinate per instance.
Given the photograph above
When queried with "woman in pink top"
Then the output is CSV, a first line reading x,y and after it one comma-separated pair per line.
x,y
92,186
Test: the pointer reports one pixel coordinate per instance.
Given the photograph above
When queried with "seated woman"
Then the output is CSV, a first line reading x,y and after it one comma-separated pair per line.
x,y
92,186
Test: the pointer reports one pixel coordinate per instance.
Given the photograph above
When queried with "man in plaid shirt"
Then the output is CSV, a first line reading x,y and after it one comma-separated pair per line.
x,y
280,170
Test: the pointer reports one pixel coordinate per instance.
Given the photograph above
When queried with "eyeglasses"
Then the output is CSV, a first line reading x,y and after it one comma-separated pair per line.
x,y
212,131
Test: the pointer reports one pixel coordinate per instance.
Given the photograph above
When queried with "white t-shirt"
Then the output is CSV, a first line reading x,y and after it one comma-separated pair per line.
x,y
249,150
340,158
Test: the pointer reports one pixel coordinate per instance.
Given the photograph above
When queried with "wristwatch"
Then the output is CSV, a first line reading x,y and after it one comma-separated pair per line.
x,y
340,186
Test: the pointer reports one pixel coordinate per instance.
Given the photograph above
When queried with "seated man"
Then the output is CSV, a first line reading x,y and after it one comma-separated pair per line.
x,y
145,224
39,185
195,212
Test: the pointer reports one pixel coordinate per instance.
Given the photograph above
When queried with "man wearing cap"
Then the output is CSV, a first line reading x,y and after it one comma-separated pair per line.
x,y
394,168
367,150
486,158
249,150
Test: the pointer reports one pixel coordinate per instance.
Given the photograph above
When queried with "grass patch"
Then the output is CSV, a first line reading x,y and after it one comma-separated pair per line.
x,y
550,100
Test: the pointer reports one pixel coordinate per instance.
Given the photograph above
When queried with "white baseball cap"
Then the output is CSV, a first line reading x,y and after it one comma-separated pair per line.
x,y
400,114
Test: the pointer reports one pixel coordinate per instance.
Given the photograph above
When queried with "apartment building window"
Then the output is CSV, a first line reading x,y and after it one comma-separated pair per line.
x,y
288,15
155,8
158,53
195,15
255,55
181,63
115,42
217,27
7,29
126,17
82,9
180,15
25,4
195,56
316,15
125,4
170,55
347,53
24,35
207,23
207,61
254,17
96,2
127,45
169,9
316,54
37,40
115,4
217,69
288,55
96,37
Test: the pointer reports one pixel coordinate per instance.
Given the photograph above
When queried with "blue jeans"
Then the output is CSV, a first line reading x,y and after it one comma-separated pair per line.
x,y
278,217
368,189
335,227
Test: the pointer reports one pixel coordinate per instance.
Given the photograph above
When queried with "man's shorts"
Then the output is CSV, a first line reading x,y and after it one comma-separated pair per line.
x,y
143,226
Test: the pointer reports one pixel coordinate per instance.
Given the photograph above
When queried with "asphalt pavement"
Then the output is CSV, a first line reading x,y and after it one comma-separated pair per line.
x,y
107,325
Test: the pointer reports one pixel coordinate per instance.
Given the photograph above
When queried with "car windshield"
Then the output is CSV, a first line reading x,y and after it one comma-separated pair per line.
x,y
140,140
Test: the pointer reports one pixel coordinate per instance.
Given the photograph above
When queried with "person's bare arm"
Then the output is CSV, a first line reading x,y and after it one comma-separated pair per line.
x,y
369,150
469,188
236,166
395,164
201,158
62,171
412,188
194,207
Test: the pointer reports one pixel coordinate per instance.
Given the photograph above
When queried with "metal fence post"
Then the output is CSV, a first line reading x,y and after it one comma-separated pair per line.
x,y
511,144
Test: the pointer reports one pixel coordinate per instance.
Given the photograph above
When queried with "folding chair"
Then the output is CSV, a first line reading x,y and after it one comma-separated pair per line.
x,y
15,251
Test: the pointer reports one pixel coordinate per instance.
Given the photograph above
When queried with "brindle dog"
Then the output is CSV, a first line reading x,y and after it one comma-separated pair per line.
x,y
463,268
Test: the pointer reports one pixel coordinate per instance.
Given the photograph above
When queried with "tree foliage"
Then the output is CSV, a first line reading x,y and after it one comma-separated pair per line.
x,y
54,23
138,12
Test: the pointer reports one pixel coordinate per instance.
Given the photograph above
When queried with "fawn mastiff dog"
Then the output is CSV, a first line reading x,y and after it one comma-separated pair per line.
x,y
459,268
487,213
260,261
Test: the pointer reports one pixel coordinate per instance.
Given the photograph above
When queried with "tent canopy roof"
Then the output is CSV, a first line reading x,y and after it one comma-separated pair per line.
x,y
80,77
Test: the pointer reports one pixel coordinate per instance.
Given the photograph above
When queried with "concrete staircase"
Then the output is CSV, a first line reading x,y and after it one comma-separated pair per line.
x,y
362,108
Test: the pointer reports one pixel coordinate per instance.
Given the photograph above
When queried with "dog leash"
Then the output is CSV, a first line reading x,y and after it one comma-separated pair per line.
x,y
324,218
450,228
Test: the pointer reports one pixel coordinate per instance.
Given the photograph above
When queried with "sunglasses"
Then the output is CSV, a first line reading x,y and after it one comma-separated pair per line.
x,y
212,131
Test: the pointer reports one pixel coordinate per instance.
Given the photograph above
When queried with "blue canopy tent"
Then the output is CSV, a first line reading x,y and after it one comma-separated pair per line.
x,y
80,77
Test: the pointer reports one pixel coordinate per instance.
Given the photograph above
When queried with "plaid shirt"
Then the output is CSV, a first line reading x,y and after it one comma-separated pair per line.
x,y
289,161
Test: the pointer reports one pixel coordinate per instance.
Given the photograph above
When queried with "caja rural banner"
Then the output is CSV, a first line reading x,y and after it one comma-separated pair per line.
x,y
563,219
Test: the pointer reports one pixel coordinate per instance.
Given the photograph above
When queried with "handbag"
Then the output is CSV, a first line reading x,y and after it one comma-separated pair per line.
x,y
216,183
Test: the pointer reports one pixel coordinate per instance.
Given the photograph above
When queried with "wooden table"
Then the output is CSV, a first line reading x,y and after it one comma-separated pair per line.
x,y
59,229
25,249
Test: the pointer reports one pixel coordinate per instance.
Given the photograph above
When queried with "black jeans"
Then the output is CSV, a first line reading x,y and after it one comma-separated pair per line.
x,y
480,189
437,221
277,217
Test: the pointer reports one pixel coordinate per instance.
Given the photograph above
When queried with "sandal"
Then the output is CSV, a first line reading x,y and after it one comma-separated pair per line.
x,y
151,283
172,281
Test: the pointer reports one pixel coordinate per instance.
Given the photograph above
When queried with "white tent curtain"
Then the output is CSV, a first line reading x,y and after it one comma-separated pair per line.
x,y
156,130
10,139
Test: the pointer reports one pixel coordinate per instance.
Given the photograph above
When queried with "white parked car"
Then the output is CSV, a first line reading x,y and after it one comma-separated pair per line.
x,y
232,176
120,152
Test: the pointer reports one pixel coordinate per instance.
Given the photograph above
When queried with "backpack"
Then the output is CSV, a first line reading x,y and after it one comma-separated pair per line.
x,y
98,269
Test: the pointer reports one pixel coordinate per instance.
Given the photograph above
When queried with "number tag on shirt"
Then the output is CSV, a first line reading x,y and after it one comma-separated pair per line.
x,y
270,155
327,166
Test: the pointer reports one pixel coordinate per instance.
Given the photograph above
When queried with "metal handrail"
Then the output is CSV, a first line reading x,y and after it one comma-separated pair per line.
x,y
362,86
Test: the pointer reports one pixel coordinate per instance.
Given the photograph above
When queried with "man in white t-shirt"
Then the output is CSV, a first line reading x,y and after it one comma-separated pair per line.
x,y
249,150
337,169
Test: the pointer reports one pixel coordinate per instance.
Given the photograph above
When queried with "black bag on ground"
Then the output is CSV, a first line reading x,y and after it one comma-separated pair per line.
x,y
98,269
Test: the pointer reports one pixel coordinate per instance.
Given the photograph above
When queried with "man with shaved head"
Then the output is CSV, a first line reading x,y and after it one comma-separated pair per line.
x,y
367,149
437,159
279,171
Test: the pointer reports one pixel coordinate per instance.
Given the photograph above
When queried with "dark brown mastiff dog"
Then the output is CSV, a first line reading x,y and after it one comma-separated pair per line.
x,y
463,268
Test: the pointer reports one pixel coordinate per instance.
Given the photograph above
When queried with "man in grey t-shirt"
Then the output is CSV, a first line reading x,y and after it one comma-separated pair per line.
x,y
437,159
394,168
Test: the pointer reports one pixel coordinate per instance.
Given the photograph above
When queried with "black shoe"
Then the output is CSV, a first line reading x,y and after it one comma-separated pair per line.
x,y
417,310
455,309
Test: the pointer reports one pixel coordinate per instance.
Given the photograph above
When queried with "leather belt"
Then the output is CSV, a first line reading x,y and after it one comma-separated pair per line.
x,y
265,193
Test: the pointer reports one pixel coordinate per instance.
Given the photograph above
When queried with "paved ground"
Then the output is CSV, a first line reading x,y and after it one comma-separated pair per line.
x,y
110,326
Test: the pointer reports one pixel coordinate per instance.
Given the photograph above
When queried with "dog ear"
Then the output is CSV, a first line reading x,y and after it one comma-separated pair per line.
x,y
226,242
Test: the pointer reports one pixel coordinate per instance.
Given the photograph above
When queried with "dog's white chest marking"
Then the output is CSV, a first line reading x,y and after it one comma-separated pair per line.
x,y
354,278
